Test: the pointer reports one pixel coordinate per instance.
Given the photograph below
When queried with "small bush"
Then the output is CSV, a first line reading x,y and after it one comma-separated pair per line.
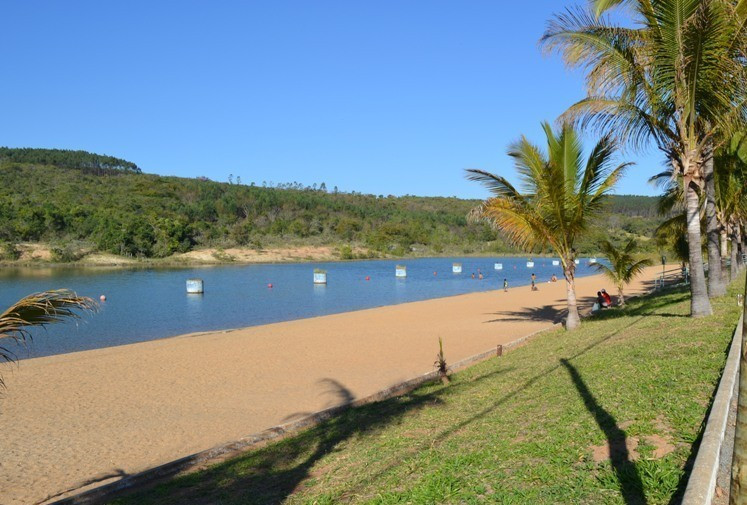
x,y
346,252
65,254
9,252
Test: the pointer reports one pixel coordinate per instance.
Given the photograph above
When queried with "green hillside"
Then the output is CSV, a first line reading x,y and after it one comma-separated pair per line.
x,y
74,199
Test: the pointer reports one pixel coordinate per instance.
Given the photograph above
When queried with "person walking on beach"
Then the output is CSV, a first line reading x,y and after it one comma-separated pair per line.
x,y
505,285
534,280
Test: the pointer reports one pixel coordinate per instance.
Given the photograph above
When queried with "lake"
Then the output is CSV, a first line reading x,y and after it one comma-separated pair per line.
x,y
146,304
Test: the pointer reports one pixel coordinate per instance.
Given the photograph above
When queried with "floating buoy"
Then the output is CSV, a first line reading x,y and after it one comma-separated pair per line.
x,y
269,285
435,273
320,276
195,286
102,298
368,278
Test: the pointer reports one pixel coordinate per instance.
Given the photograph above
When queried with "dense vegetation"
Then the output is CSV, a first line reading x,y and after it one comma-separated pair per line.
x,y
124,212
534,426
64,158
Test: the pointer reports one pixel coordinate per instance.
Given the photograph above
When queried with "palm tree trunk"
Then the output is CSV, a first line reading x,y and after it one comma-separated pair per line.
x,y
734,270
738,495
699,304
725,239
724,242
620,296
716,284
574,320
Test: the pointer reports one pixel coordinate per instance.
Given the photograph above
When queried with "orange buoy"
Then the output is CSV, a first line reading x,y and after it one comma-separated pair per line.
x,y
102,298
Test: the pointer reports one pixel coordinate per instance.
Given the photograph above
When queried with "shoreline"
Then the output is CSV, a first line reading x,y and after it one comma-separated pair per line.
x,y
98,413
494,289
109,261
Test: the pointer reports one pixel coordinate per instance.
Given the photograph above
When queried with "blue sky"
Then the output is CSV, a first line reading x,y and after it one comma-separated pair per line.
x,y
385,97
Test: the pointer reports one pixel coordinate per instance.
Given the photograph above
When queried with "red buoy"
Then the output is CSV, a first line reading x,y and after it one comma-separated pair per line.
x,y
368,278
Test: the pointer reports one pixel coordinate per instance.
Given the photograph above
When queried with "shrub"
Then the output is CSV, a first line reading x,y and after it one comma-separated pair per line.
x,y
346,252
9,252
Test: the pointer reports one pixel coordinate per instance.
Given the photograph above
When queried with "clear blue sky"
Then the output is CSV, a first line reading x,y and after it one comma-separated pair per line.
x,y
384,97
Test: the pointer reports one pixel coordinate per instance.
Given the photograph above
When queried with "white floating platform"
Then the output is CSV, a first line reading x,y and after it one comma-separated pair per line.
x,y
195,286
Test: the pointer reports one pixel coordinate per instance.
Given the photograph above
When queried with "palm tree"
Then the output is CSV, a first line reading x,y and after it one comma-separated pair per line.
x,y
559,195
672,75
624,266
36,310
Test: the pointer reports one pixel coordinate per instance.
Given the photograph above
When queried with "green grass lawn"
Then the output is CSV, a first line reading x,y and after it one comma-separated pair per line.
x,y
517,429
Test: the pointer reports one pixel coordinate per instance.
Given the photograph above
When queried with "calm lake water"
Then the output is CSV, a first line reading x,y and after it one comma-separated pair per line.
x,y
146,304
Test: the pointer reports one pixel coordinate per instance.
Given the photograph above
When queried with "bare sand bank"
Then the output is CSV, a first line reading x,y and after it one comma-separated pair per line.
x,y
71,418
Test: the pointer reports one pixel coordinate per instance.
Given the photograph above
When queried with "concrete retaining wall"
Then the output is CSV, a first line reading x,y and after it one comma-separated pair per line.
x,y
702,482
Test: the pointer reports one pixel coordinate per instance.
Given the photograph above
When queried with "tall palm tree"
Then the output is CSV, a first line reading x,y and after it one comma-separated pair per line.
x,y
39,309
671,75
559,195
623,268
731,203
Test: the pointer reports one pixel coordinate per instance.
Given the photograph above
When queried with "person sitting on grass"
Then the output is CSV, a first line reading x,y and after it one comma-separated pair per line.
x,y
607,297
601,303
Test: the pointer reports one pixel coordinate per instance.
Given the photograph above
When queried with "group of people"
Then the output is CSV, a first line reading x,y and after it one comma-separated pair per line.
x,y
604,300
553,278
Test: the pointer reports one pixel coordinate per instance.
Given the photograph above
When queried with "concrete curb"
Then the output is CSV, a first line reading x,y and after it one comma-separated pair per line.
x,y
701,484
217,454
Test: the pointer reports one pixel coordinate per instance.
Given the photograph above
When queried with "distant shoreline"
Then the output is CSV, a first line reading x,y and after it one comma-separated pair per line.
x,y
207,257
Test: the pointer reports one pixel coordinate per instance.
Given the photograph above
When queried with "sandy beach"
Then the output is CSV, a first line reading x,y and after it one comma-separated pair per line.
x,y
71,418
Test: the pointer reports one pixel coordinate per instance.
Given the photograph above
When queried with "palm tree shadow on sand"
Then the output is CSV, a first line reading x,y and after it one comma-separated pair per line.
x,y
552,313
626,471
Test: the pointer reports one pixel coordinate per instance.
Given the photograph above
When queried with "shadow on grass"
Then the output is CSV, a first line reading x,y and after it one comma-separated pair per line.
x,y
269,475
551,313
626,472
529,382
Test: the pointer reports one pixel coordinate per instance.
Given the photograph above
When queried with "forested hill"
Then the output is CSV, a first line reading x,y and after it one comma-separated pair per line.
x,y
106,204
81,160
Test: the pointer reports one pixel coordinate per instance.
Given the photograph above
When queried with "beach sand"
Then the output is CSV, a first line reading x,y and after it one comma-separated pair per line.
x,y
83,416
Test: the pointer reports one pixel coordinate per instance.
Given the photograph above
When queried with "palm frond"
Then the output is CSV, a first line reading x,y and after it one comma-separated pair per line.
x,y
39,310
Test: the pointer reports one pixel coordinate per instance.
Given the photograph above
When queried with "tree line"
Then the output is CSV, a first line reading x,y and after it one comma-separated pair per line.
x,y
144,215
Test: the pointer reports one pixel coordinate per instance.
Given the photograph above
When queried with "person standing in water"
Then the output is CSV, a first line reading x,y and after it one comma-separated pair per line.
x,y
534,280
